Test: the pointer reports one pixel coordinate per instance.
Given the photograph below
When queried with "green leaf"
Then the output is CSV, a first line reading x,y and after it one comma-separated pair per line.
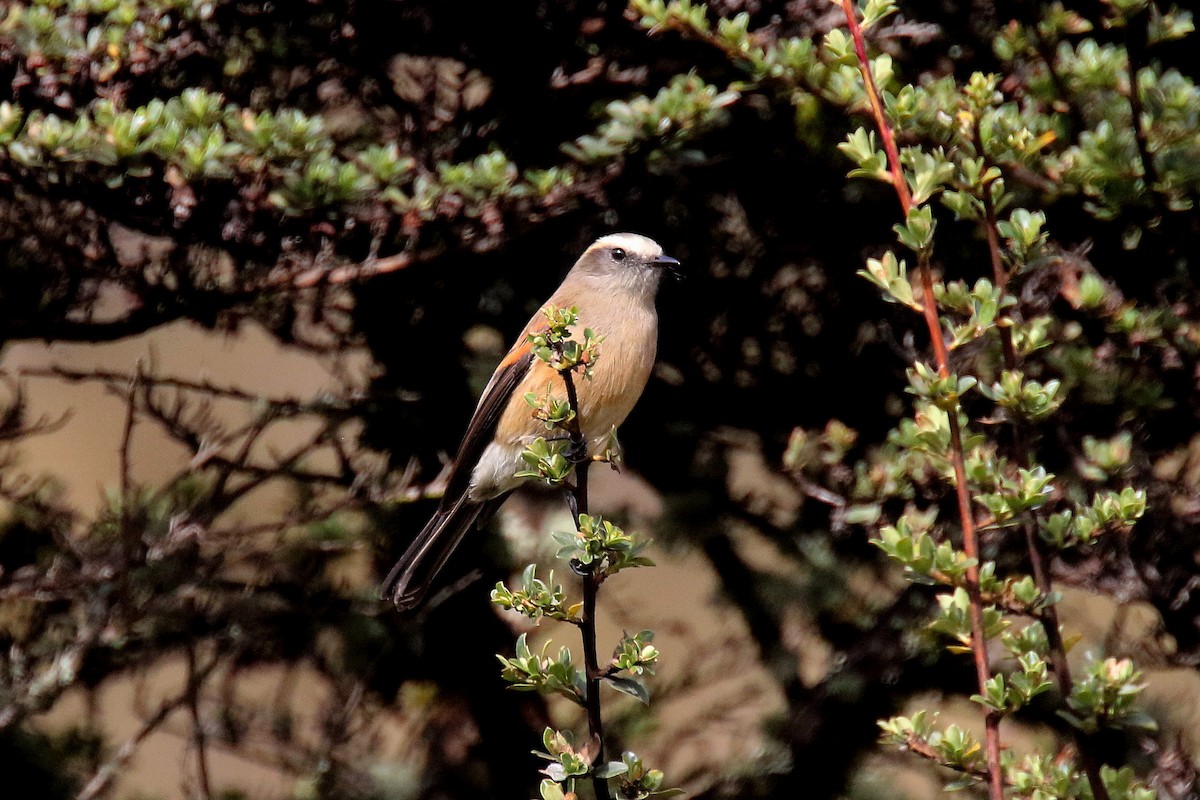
x,y
630,686
613,769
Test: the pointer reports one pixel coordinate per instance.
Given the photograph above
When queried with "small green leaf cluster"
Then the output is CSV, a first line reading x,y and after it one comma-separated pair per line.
x,y
566,761
662,14
635,653
909,543
601,547
1109,510
1123,784
547,460
1015,494
1043,776
536,598
489,176
1106,696
634,781
953,747
941,391
554,412
983,306
953,619
555,345
1007,694
528,671
684,108
891,275
1025,399
636,656
1105,458
926,434
827,448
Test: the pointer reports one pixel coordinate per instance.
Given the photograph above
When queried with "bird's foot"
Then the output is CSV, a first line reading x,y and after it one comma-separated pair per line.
x,y
581,569
575,451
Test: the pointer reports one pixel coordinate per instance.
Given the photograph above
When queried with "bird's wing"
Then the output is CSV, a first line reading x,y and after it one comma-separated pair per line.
x,y
482,427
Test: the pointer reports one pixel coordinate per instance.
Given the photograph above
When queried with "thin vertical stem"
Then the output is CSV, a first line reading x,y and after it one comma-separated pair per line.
x,y
1135,47
885,130
199,738
941,356
129,550
1038,560
125,468
591,587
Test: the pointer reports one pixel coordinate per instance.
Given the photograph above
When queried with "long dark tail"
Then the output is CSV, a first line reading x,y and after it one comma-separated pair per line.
x,y
409,581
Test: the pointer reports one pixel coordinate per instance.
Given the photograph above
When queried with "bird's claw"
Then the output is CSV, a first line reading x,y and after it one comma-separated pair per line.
x,y
575,451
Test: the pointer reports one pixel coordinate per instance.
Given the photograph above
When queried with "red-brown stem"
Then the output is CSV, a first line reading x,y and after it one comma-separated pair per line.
x,y
929,307
885,130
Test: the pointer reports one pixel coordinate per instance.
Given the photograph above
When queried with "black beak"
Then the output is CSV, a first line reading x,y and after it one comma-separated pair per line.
x,y
671,265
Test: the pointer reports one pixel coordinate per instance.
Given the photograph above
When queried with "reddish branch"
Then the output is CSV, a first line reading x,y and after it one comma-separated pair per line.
x,y
941,356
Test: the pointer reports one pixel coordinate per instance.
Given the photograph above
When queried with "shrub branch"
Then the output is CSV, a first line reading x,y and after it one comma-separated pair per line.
x,y
941,356
577,494
1023,454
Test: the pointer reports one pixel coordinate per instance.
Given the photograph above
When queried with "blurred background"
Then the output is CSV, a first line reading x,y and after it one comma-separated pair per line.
x,y
257,260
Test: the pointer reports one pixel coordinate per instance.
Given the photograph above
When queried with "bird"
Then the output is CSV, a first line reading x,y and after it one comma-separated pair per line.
x,y
613,284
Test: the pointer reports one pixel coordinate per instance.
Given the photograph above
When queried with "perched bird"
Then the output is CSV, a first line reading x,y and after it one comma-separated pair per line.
x,y
613,284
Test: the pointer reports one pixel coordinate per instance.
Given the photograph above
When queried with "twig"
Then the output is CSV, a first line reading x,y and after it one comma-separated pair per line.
x,y
205,387
133,382
226,468
591,587
915,744
126,500
12,425
103,777
929,310
337,732
347,273
199,739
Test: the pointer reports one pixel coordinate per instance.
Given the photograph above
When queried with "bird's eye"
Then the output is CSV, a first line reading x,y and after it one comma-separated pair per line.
x,y
618,254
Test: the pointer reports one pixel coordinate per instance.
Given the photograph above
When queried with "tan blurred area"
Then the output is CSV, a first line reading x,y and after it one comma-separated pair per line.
x,y
83,453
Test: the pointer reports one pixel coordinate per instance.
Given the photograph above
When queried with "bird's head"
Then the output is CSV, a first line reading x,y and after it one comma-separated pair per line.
x,y
625,261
